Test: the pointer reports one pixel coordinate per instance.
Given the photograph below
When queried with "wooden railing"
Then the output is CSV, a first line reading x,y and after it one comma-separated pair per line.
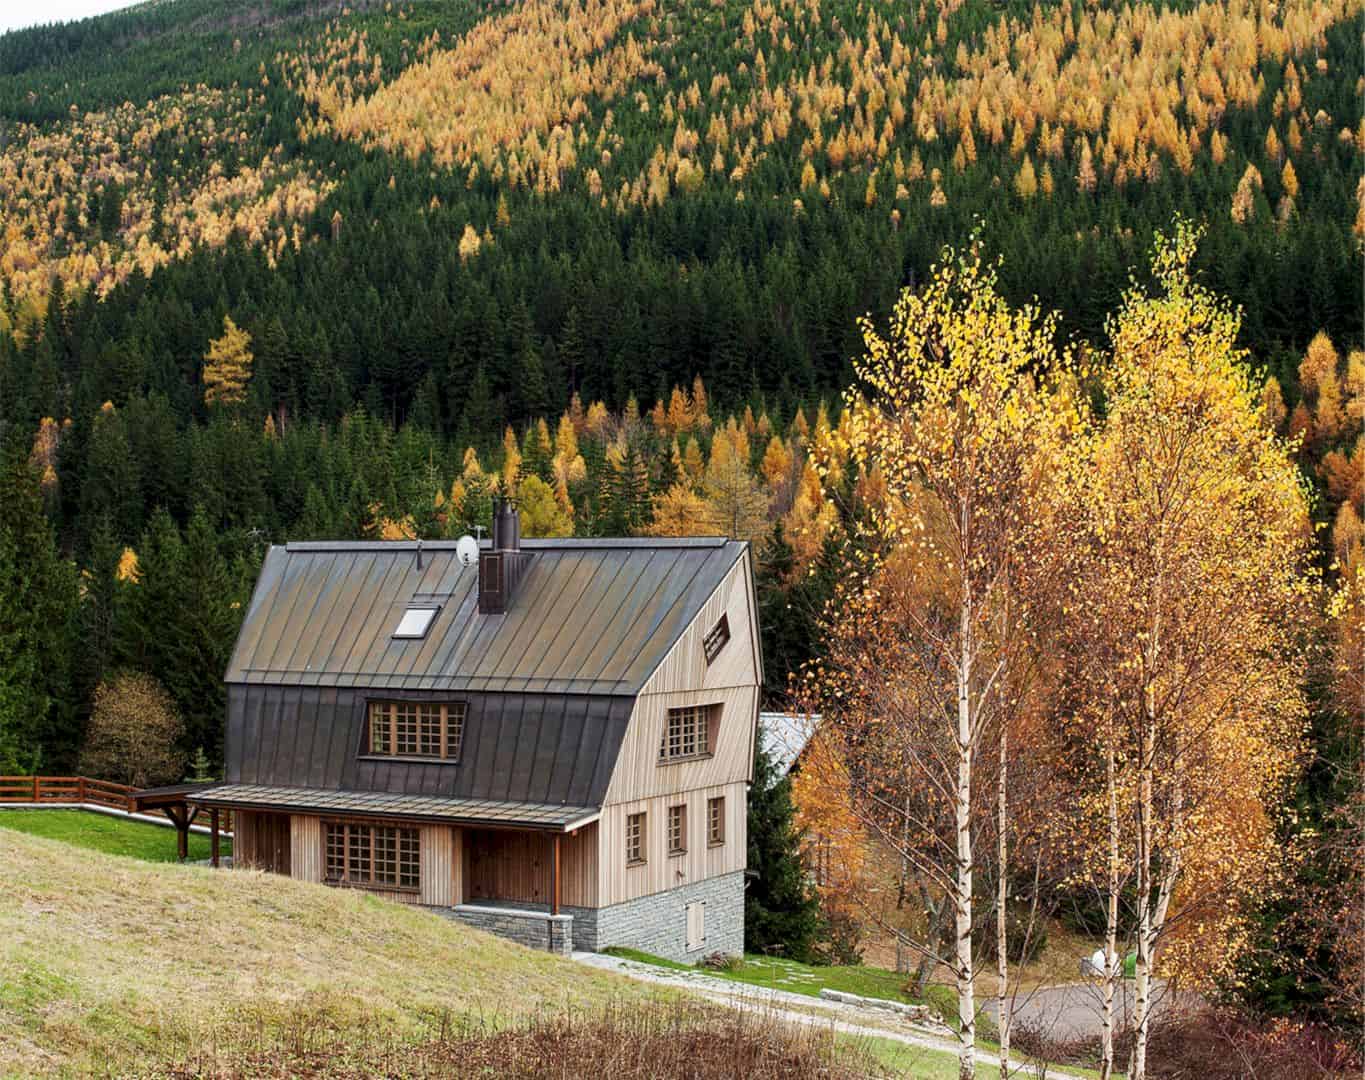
x,y
79,789
72,789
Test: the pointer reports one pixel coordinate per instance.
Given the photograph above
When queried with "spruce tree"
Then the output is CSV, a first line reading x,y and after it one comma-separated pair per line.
x,y
781,911
37,603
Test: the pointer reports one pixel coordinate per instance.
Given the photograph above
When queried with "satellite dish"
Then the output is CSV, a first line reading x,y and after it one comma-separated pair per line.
x,y
467,550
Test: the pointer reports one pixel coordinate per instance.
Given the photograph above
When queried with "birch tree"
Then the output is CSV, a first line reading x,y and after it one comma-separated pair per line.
x,y
1195,571
948,409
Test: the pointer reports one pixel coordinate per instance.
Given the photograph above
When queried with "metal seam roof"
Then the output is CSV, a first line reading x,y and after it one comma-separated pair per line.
x,y
589,616
324,801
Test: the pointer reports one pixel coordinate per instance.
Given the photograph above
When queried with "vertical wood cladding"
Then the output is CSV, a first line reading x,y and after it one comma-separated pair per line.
x,y
438,865
305,834
617,882
506,865
263,842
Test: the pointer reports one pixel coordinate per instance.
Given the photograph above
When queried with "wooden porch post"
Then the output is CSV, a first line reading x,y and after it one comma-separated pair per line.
x,y
554,878
213,843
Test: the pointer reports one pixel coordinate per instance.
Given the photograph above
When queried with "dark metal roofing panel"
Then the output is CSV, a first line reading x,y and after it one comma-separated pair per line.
x,y
424,807
588,616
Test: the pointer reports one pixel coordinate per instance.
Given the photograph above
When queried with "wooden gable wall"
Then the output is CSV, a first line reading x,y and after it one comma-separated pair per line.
x,y
685,678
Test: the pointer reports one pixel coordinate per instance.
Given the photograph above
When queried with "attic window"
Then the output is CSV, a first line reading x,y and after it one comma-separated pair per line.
x,y
716,639
415,622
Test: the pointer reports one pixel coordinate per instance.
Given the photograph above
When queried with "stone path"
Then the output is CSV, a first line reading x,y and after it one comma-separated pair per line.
x,y
796,1008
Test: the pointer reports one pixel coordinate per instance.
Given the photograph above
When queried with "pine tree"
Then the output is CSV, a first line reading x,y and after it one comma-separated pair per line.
x,y
781,912
37,601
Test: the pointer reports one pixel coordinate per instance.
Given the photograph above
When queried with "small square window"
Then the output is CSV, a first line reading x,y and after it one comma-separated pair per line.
x,y
415,622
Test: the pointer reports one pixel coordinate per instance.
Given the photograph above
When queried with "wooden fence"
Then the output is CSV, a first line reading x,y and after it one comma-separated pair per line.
x,y
68,789
75,789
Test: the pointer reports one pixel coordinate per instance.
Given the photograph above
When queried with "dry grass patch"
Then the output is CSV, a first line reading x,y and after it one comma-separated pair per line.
x,y
108,964
623,1042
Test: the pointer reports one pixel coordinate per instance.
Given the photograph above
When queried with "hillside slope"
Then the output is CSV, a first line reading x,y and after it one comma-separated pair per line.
x,y
114,964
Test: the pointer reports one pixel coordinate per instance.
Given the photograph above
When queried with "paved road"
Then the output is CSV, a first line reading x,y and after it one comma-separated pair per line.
x,y
1074,1011
800,1009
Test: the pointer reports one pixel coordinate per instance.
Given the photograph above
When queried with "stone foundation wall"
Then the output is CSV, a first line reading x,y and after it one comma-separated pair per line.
x,y
534,929
657,924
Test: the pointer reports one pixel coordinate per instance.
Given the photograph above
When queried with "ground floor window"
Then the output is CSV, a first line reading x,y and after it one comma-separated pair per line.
x,y
372,856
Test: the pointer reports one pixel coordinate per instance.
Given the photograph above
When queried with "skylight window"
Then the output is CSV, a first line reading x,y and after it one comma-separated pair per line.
x,y
415,622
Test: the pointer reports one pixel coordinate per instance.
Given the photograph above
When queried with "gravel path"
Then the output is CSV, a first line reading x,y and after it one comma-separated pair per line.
x,y
1073,1011
799,1008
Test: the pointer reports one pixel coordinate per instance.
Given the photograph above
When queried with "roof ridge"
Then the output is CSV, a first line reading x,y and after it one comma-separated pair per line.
x,y
567,543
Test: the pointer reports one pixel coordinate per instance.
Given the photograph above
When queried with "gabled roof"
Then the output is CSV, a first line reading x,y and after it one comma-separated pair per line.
x,y
587,616
785,736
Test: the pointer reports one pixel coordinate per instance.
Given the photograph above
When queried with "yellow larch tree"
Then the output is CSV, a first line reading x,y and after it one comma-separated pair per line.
x,y
227,366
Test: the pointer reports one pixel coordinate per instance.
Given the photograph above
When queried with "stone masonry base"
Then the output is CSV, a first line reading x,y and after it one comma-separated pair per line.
x,y
654,924
534,929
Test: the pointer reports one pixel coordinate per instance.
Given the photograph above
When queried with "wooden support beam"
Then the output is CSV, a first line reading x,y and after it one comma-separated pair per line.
x,y
213,842
554,878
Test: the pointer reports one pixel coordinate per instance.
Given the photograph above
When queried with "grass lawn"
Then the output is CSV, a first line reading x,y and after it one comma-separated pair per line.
x,y
114,966
111,835
809,979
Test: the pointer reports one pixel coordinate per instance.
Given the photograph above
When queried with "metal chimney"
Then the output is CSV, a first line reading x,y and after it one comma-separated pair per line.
x,y
501,567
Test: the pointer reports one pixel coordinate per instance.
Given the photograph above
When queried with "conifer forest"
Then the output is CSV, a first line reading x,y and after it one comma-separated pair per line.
x,y
301,269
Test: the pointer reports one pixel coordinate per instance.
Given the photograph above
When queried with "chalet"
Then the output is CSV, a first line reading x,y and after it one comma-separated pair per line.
x,y
551,739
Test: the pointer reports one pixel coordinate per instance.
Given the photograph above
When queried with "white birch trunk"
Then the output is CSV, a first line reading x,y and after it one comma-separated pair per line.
x,y
1002,896
1111,920
1137,1068
962,897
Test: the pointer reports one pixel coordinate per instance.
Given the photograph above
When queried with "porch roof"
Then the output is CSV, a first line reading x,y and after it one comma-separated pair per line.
x,y
552,817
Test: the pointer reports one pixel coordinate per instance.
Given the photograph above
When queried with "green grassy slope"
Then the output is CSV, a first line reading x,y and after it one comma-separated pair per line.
x,y
109,964
111,835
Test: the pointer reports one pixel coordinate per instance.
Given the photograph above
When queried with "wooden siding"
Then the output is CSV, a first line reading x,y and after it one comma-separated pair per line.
x,y
684,678
639,775
617,882
305,846
504,865
262,842
440,870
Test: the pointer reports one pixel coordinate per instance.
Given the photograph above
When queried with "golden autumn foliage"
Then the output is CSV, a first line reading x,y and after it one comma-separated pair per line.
x,y
54,177
227,366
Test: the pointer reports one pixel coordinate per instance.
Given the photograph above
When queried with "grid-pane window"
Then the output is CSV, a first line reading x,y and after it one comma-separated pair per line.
x,y
336,852
377,856
429,730
416,729
404,728
386,856
381,728
687,732
635,838
715,821
677,830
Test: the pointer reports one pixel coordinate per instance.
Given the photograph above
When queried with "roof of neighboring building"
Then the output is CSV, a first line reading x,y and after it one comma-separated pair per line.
x,y
418,807
586,617
785,736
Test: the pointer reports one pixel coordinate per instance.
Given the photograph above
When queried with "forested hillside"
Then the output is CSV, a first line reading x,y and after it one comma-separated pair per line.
x,y
292,269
